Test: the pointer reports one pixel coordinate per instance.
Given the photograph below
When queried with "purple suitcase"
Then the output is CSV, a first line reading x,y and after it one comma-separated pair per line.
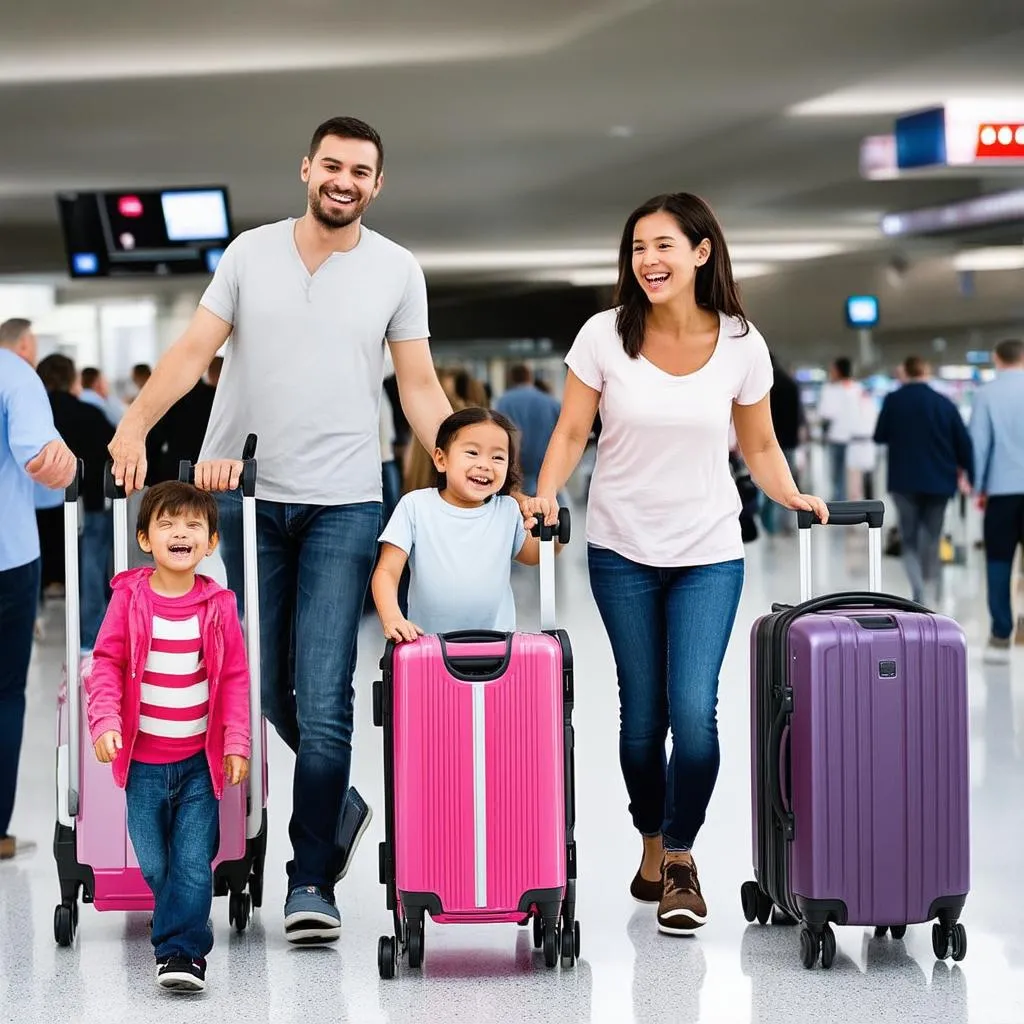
x,y
859,731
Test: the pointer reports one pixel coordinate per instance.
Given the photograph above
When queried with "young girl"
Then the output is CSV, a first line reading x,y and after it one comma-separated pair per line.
x,y
168,704
459,537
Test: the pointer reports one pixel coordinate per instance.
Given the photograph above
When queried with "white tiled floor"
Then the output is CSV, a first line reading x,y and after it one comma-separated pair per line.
x,y
730,972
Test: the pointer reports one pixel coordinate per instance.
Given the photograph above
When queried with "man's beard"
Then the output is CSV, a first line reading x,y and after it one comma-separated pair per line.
x,y
335,218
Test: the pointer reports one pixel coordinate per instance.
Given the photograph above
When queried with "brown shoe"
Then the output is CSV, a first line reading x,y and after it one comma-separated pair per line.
x,y
644,891
11,847
682,908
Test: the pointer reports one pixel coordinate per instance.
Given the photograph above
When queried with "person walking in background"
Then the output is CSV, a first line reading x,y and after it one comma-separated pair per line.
x,y
790,423
997,430
839,411
929,452
862,452
535,414
31,452
96,391
87,432
141,372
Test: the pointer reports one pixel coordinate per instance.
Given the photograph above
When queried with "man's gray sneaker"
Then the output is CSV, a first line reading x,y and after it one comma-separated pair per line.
x,y
355,819
310,917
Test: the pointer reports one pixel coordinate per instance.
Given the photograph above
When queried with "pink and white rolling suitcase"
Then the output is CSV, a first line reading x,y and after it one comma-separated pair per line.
x,y
91,846
478,781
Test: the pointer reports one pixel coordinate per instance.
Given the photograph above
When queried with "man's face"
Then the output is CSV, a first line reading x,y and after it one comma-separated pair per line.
x,y
341,180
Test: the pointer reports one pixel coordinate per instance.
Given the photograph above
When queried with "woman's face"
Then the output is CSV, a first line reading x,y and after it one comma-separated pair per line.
x,y
664,262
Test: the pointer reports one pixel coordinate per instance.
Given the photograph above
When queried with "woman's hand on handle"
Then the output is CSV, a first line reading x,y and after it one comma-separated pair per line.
x,y
808,503
540,510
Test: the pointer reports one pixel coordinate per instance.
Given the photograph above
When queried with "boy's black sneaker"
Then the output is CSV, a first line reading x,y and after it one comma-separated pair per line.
x,y
182,974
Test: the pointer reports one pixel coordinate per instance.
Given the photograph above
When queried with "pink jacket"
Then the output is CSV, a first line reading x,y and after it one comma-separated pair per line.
x,y
113,685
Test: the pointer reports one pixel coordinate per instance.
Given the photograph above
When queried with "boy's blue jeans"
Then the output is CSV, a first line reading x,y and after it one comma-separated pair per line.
x,y
173,822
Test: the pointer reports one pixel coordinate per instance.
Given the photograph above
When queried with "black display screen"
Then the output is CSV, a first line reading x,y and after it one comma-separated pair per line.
x,y
134,232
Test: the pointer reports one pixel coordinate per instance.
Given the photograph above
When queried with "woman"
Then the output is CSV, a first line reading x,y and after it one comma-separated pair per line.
x,y
668,369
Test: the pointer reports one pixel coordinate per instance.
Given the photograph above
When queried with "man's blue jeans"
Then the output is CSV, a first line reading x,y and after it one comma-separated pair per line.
x,y
669,630
95,561
314,567
19,599
173,822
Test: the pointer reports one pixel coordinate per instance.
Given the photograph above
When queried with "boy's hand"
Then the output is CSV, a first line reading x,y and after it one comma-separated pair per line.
x,y
107,746
236,769
401,629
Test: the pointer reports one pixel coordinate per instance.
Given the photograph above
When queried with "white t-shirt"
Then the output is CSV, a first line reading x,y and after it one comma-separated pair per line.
x,y
304,366
662,493
840,405
460,560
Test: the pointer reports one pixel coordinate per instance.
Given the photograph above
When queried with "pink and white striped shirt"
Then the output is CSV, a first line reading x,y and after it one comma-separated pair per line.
x,y
175,694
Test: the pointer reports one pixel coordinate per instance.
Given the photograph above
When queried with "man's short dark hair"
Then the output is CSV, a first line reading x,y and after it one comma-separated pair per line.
x,y
1010,351
90,376
844,367
914,367
57,373
348,128
11,331
142,370
519,373
172,498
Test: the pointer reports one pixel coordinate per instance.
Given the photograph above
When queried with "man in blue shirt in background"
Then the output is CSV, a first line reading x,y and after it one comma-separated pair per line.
x,y
929,449
30,450
535,414
997,429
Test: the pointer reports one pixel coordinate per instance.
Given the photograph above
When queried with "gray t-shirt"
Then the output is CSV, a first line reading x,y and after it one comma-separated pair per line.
x,y
460,560
304,364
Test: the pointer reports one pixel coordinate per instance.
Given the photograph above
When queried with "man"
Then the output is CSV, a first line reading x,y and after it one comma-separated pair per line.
x,y
840,413
96,391
30,450
929,453
87,432
997,429
311,303
535,414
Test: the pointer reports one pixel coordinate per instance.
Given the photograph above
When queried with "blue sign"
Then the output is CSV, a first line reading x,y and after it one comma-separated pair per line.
x,y
862,310
85,262
921,139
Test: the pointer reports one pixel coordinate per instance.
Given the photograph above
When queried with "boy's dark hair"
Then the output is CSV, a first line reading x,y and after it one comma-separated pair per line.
x,y
348,128
469,416
172,498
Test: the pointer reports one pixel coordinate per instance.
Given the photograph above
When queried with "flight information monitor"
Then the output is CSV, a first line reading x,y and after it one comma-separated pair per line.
x,y
145,233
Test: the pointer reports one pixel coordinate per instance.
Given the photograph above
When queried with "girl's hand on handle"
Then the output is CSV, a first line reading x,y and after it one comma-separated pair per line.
x,y
107,746
236,769
218,474
808,503
401,630
541,509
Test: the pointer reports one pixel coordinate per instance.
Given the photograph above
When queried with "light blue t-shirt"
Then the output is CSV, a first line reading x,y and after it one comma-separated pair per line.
x,y
26,428
460,560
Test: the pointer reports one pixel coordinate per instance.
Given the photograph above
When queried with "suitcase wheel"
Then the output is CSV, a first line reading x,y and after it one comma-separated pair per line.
x,y
387,958
814,943
552,936
757,905
239,908
897,931
949,940
416,927
65,923
570,943
538,931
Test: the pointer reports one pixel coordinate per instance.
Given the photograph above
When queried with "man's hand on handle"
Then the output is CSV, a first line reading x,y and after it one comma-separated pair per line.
x,y
218,474
128,454
54,467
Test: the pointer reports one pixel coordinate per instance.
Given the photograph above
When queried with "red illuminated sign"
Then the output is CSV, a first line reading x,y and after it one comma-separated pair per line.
x,y
130,206
1000,140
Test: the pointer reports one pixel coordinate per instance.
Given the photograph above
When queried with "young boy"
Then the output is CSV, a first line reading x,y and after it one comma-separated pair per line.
x,y
168,706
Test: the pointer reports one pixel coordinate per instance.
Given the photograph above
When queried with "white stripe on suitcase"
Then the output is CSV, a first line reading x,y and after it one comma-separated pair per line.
x,y
479,795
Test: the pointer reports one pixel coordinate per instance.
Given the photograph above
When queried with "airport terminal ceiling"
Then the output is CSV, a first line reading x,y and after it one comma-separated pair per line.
x,y
519,136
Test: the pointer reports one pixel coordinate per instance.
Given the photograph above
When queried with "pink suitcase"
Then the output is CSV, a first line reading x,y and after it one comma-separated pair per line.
x,y
478,780
91,846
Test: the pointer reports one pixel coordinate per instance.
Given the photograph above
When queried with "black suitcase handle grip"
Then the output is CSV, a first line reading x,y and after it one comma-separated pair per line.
x,y
187,470
564,528
111,489
846,513
72,490
857,599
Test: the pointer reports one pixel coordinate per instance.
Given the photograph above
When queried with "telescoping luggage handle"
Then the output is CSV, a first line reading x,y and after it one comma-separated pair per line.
x,y
843,513
561,533
72,635
247,484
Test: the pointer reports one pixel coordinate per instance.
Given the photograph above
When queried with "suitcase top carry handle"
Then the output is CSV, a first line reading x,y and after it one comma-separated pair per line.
x,y
843,513
476,667
187,470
